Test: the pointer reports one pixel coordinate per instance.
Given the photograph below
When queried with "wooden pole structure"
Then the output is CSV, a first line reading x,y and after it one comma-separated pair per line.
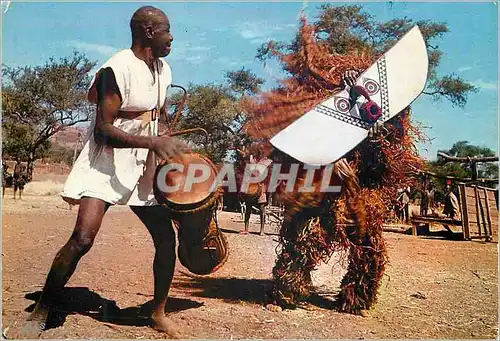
x,y
468,158
455,178
464,213
487,210
477,210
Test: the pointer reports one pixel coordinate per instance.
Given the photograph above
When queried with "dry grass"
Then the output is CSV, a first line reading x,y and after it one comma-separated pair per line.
x,y
44,188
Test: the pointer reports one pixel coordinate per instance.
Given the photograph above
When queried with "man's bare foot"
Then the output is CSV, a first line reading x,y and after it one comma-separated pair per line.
x,y
262,234
162,323
243,232
274,307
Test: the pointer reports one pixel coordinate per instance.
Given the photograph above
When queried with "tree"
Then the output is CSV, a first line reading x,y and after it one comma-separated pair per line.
x,y
16,137
443,168
38,102
213,108
465,149
61,154
243,82
349,29
217,109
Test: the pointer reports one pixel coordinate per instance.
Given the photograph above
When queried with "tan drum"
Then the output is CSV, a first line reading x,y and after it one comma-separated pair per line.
x,y
202,247
198,197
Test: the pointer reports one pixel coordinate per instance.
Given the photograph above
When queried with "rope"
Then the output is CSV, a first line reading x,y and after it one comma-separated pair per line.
x,y
195,210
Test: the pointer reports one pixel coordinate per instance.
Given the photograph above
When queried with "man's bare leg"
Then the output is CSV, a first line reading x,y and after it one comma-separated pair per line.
x,y
262,218
87,225
159,225
248,213
242,210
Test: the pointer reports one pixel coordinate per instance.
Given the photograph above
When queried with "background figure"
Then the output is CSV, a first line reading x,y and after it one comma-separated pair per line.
x,y
261,204
430,194
427,202
424,205
5,175
398,209
451,208
261,159
404,205
19,178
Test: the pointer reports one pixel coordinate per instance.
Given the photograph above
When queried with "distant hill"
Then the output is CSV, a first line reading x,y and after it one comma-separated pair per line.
x,y
68,137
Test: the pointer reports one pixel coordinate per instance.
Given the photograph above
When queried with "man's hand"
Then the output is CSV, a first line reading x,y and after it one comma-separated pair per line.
x,y
168,148
376,130
349,78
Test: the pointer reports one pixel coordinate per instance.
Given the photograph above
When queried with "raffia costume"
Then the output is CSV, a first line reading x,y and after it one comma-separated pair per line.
x,y
317,225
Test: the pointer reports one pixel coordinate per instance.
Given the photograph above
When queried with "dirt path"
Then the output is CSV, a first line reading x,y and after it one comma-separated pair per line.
x,y
433,289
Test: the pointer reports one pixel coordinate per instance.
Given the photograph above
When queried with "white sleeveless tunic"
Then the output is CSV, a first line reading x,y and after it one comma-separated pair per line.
x,y
122,176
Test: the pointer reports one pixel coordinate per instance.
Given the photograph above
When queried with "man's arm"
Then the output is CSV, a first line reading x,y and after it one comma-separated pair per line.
x,y
108,104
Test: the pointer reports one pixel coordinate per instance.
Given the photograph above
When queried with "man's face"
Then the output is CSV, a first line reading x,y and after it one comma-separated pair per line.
x,y
162,39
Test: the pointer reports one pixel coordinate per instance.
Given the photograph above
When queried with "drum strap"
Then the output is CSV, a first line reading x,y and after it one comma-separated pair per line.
x,y
159,99
207,205
155,114
215,217
151,117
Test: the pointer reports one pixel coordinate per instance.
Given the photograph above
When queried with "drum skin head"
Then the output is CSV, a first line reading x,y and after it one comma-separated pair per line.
x,y
199,191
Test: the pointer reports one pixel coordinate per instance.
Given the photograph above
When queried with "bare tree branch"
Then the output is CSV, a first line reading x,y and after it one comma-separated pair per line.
x,y
20,117
468,158
436,175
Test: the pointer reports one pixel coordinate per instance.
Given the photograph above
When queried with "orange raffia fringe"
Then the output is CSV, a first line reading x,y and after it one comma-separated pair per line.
x,y
316,76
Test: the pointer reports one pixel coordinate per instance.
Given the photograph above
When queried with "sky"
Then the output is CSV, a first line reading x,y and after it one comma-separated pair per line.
x,y
214,37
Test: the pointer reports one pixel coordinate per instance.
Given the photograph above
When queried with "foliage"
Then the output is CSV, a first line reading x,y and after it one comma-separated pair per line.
x,y
213,108
16,138
349,29
444,168
58,154
39,101
217,109
243,82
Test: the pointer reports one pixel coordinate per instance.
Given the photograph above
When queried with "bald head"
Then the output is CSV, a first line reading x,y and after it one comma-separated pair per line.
x,y
146,17
151,28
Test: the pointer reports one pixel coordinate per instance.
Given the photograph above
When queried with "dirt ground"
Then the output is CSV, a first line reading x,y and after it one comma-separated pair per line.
x,y
433,288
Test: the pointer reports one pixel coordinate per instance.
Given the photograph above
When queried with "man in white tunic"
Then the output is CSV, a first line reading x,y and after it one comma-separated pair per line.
x,y
117,164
